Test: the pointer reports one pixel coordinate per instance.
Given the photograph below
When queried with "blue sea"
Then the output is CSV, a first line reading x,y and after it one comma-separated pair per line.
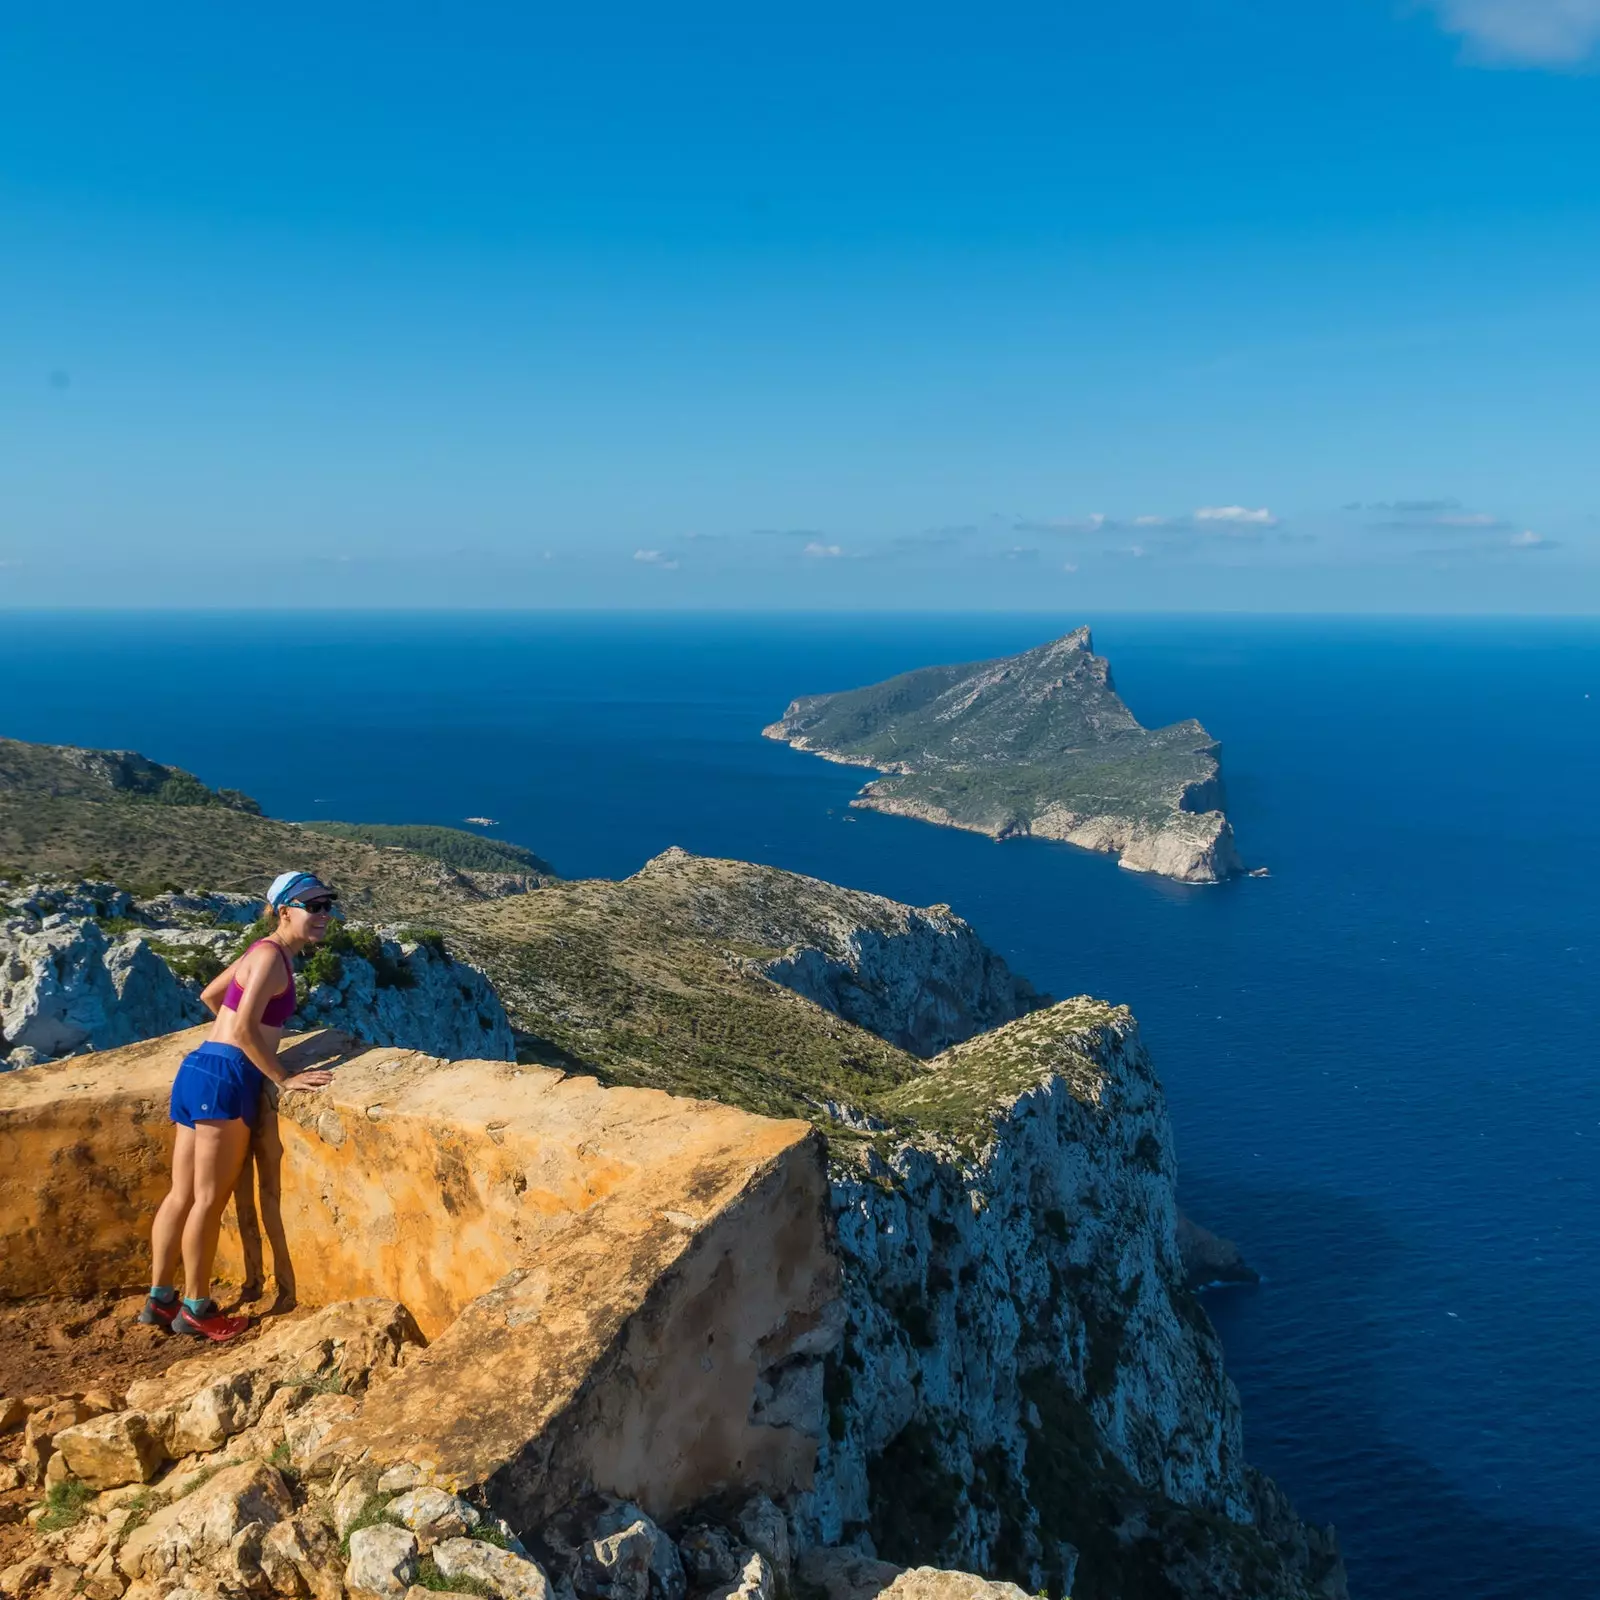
x,y
1381,1059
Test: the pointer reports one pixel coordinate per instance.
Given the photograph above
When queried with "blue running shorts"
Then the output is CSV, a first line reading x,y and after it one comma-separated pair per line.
x,y
216,1083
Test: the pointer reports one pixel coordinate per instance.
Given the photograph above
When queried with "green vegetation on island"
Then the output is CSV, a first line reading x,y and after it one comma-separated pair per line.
x,y
453,846
1037,743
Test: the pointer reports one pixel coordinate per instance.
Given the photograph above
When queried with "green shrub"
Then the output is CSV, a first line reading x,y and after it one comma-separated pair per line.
x,y
321,966
365,942
115,927
188,962
431,937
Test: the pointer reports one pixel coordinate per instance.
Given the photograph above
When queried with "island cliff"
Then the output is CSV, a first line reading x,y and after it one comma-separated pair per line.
x,y
1037,743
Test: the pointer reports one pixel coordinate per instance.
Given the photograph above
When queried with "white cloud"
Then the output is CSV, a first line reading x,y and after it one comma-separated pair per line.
x,y
1528,540
1069,566
1149,522
819,551
656,558
1540,33
1241,515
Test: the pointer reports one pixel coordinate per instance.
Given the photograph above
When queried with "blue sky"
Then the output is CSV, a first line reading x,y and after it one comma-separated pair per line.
x,y
1212,304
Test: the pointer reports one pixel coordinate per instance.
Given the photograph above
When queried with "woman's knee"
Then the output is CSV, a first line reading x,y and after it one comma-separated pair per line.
x,y
209,1199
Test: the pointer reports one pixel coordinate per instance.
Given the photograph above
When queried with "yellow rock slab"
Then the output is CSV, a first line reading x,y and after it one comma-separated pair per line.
x,y
609,1277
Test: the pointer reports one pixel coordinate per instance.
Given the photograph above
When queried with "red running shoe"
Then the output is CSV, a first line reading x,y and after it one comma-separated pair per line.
x,y
159,1313
209,1324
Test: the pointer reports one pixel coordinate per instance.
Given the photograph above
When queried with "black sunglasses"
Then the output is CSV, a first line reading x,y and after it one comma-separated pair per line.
x,y
320,906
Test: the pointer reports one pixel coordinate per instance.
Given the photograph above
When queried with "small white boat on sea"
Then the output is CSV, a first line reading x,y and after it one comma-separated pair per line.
x,y
481,822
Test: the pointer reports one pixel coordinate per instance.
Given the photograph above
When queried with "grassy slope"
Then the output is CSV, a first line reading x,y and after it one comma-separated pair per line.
x,y
145,847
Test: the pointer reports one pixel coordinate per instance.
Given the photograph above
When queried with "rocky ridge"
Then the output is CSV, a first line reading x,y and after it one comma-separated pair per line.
x,y
87,966
1038,743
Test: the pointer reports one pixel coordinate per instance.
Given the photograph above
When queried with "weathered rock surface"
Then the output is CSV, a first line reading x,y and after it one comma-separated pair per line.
x,y
109,1451
608,1276
503,1573
64,987
200,1526
432,1515
383,1563
1021,1351
442,1006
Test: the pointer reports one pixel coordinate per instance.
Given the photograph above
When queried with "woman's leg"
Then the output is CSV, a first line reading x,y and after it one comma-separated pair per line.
x,y
219,1152
166,1236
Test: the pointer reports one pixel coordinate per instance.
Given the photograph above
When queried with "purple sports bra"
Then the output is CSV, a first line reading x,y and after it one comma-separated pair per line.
x,y
280,1007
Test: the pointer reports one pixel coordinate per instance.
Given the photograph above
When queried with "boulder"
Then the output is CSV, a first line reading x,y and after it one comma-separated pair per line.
x,y
845,1574
348,1504
508,1576
109,1451
300,1556
627,1557
45,1421
932,1583
766,1529
383,1562
31,1573
432,1515
204,1523
754,1581
710,1555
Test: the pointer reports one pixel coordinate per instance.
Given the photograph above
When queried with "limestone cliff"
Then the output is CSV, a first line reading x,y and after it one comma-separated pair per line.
x,y
1026,1387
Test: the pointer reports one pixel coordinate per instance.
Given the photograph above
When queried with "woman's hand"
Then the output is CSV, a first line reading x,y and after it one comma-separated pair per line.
x,y
306,1080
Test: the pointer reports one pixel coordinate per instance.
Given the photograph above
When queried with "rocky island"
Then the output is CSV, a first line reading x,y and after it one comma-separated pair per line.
x,y
1037,743
774,1238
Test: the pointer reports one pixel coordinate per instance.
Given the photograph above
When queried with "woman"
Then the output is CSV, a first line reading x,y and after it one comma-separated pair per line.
x,y
214,1100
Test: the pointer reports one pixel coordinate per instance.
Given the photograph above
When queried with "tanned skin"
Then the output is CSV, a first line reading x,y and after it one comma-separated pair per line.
x,y
208,1158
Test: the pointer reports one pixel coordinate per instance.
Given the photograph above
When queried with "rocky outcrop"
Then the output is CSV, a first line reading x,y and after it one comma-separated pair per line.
x,y
67,985
613,1283
1210,1261
919,977
1026,1387
1191,847
416,994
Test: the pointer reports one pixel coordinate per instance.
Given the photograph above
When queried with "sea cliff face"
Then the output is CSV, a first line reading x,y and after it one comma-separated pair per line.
x,y
1025,1387
1193,848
